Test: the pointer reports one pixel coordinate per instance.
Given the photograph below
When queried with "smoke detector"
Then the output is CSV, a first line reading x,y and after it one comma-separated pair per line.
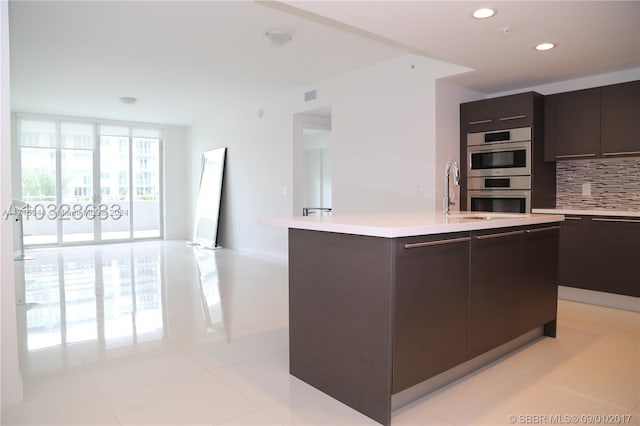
x,y
277,38
128,100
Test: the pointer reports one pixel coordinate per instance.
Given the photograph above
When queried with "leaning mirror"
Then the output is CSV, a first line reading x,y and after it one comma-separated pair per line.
x,y
205,230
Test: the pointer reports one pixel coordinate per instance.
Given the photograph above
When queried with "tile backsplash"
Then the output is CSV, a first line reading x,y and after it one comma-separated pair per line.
x,y
614,184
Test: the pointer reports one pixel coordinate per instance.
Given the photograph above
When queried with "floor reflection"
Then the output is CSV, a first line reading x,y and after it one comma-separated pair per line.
x,y
209,282
98,298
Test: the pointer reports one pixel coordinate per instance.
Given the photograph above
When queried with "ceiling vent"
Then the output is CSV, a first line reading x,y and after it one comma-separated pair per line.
x,y
311,95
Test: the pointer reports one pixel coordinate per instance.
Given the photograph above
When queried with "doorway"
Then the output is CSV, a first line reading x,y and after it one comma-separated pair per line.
x,y
312,164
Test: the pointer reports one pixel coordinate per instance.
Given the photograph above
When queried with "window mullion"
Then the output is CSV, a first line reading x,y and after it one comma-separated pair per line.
x,y
97,184
131,212
58,200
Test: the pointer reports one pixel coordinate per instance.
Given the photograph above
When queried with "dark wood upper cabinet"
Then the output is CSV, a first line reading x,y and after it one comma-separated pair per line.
x,y
505,112
600,122
572,122
620,119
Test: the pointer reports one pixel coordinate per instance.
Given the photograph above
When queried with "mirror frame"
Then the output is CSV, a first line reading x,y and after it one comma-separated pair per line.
x,y
208,205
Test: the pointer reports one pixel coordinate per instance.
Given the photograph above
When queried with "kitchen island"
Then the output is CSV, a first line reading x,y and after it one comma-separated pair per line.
x,y
383,308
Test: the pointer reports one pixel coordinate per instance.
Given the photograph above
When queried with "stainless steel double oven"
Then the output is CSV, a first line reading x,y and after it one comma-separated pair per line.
x,y
499,171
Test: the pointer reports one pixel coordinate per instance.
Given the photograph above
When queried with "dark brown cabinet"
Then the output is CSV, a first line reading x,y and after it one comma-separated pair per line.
x,y
538,291
493,288
572,125
574,242
513,284
370,317
600,122
600,253
614,255
505,112
432,287
620,119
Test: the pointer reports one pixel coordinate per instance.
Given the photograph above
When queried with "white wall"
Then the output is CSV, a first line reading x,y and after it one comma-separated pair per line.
x,y
384,136
258,166
176,211
448,99
383,149
11,392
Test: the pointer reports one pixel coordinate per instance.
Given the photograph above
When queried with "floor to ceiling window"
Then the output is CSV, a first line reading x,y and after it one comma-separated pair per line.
x,y
89,181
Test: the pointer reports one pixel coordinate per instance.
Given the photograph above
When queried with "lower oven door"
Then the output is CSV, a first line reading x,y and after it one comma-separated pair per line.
x,y
505,201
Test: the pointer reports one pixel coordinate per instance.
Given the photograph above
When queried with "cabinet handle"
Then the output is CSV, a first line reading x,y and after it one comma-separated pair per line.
x,y
480,122
548,228
622,153
575,155
436,243
503,234
513,117
596,219
572,218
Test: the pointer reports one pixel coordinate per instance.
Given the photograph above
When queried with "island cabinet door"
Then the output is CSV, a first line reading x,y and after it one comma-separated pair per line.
x,y
494,281
614,255
573,270
538,292
431,307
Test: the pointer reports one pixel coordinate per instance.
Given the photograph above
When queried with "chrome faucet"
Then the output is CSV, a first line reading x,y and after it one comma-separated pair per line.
x,y
448,200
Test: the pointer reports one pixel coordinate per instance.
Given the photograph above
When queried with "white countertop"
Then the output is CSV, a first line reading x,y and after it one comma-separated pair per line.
x,y
392,225
593,212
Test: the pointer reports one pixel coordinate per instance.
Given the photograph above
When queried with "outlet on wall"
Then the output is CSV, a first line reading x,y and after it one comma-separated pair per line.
x,y
586,189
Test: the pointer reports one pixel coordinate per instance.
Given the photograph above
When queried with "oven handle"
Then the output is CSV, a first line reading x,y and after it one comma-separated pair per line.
x,y
499,193
499,147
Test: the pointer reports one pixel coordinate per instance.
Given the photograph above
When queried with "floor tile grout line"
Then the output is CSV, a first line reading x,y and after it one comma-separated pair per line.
x,y
104,398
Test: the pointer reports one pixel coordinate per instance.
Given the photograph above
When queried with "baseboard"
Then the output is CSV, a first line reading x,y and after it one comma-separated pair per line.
x,y
600,298
420,390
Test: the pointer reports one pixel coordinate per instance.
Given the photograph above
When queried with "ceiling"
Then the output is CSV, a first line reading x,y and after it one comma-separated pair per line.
x,y
187,61
183,61
592,37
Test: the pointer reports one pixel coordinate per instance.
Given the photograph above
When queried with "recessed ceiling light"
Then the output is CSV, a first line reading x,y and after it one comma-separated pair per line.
x,y
277,38
545,46
484,13
128,100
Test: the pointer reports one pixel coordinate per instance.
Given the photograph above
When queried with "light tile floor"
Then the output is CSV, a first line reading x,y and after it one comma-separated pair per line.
x,y
164,333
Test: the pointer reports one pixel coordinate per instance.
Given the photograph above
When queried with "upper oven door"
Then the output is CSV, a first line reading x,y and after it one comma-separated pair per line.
x,y
505,159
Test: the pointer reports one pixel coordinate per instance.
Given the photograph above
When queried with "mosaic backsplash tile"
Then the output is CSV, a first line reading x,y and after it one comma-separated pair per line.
x,y
615,184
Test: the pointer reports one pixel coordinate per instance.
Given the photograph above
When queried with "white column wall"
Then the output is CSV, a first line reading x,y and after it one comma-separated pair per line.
x,y
176,208
448,99
11,390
